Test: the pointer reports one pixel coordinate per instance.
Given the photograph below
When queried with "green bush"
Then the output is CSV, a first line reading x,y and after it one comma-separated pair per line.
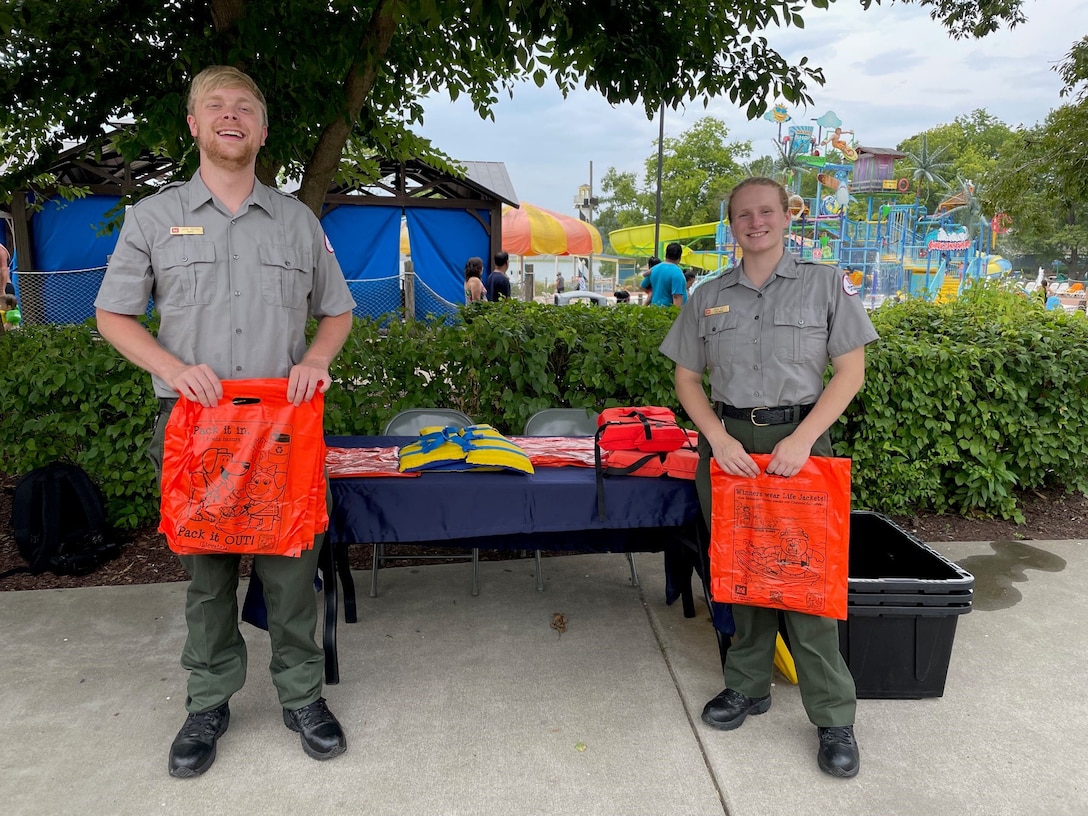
x,y
965,404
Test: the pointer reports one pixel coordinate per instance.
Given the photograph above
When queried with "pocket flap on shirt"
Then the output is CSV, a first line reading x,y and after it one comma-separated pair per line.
x,y
187,253
284,257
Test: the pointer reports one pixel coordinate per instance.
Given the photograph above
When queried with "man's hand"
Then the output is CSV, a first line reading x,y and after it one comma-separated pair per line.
x,y
306,380
197,383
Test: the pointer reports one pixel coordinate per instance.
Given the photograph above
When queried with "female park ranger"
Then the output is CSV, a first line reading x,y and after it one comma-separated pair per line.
x,y
765,331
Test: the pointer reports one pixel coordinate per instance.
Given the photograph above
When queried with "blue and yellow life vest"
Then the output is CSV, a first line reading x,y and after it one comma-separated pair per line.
x,y
477,447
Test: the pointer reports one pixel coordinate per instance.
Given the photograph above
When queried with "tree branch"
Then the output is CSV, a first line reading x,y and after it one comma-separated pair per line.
x,y
325,159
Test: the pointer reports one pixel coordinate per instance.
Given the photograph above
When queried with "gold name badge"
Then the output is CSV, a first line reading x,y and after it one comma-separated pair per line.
x,y
716,310
186,230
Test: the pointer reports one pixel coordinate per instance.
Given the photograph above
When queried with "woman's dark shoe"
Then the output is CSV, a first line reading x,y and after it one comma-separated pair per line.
x,y
838,753
322,737
729,709
193,749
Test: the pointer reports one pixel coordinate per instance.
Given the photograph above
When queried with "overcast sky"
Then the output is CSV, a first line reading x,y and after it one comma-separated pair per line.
x,y
891,72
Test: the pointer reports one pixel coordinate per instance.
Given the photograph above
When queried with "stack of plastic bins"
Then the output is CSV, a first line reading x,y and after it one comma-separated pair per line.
x,y
903,602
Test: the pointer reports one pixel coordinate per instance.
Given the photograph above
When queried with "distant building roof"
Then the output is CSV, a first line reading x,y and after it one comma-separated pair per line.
x,y
492,177
412,181
881,151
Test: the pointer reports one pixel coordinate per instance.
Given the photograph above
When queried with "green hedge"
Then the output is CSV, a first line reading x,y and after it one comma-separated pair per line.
x,y
964,404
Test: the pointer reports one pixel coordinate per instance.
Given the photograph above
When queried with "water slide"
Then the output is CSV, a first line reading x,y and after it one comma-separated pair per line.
x,y
639,242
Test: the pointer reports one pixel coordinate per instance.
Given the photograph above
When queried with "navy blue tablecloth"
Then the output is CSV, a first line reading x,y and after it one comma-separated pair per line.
x,y
498,506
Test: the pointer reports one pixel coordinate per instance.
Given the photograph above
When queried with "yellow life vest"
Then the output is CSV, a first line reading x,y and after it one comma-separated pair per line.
x,y
477,447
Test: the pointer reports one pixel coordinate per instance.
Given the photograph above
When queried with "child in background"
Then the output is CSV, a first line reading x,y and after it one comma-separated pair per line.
x,y
9,308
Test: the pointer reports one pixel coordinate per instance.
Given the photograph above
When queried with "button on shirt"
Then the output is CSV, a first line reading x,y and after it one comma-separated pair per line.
x,y
233,290
769,346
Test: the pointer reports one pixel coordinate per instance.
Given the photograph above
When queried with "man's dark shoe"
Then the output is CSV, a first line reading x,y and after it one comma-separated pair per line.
x,y
193,749
322,737
729,709
838,754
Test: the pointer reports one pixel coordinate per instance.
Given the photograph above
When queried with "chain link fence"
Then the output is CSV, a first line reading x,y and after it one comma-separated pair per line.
x,y
68,297
57,297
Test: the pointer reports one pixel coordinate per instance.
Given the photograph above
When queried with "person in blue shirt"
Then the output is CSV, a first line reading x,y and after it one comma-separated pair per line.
x,y
666,283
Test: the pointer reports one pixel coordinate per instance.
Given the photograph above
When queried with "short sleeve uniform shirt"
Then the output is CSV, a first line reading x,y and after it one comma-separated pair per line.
x,y
769,346
233,291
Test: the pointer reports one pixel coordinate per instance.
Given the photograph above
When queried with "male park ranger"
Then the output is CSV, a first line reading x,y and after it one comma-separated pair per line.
x,y
235,268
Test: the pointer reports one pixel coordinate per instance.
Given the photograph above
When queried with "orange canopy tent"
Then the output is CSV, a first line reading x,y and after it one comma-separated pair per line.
x,y
531,230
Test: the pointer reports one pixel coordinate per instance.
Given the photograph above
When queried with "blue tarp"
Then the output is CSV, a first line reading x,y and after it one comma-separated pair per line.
x,y
441,242
366,240
65,236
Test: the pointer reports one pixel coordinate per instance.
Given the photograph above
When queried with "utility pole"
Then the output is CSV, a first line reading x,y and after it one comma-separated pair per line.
x,y
585,203
660,160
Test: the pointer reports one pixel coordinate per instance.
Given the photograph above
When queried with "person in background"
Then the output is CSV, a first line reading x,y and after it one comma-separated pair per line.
x,y
666,285
10,315
560,284
622,296
645,285
498,282
474,285
206,250
729,329
6,286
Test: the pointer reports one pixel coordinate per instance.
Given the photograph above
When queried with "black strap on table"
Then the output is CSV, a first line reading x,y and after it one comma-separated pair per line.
x,y
782,415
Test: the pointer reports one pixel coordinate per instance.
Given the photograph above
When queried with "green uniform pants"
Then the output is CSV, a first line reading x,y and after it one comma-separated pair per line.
x,y
827,687
215,652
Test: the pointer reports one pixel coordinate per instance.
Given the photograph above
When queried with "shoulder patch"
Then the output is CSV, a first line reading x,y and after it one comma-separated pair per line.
x,y
328,244
848,286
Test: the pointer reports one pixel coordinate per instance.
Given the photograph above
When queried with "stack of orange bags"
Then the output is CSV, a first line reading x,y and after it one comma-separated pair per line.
x,y
247,476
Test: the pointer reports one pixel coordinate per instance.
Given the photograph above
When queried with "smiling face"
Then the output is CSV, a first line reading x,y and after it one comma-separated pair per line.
x,y
758,217
228,125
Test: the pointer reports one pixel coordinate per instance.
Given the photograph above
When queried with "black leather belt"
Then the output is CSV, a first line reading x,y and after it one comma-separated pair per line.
x,y
765,416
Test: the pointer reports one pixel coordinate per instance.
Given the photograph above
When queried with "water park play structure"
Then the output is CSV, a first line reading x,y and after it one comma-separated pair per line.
x,y
890,248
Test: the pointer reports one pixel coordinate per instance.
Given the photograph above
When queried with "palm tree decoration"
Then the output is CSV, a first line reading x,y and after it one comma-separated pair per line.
x,y
788,163
926,167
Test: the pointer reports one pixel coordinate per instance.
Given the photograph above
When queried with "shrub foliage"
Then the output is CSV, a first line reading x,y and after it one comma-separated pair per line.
x,y
965,403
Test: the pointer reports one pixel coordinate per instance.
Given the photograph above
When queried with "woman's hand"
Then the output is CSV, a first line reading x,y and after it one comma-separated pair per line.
x,y
733,458
789,456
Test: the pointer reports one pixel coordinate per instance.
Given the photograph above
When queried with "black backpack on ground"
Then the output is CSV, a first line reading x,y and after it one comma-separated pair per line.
x,y
59,522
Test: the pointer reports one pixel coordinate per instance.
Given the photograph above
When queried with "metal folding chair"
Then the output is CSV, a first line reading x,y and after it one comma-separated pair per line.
x,y
566,422
409,423
562,422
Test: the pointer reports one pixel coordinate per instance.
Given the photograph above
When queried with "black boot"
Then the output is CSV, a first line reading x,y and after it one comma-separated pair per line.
x,y
322,737
193,749
730,708
838,753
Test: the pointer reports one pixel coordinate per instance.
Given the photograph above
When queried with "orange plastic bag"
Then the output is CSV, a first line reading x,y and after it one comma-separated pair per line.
x,y
781,542
246,476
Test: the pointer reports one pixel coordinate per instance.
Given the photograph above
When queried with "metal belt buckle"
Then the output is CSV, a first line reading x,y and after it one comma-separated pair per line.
x,y
752,417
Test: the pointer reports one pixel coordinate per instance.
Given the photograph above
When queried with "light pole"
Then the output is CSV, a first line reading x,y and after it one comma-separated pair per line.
x,y
660,160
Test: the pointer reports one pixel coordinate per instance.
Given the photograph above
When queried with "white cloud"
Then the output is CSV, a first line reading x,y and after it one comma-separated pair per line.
x,y
891,72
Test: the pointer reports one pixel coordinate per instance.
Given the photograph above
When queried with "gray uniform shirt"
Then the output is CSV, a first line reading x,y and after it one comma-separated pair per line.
x,y
770,346
233,291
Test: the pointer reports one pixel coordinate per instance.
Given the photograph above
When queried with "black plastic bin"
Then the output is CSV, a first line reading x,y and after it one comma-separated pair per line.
x,y
903,601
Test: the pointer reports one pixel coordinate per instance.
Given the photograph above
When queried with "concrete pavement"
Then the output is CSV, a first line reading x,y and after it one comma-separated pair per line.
x,y
461,705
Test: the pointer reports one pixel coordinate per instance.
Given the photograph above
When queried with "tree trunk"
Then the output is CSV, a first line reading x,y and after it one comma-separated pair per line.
x,y
323,163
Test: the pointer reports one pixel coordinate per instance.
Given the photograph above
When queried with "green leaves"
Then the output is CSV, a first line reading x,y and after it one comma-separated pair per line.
x,y
964,405
967,403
